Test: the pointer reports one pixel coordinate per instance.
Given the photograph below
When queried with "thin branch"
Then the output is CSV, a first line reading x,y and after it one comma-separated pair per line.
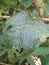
x,y
38,9
4,17
45,19
3,63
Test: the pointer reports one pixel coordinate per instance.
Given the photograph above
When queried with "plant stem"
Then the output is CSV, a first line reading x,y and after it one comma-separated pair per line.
x,y
3,63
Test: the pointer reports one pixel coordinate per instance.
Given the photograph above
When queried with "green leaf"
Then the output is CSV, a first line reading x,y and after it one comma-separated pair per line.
x,y
35,13
41,3
10,2
47,9
48,63
41,51
3,50
26,3
12,56
30,60
47,1
45,59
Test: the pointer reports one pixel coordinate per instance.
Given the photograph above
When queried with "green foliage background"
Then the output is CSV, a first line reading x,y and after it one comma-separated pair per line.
x,y
24,30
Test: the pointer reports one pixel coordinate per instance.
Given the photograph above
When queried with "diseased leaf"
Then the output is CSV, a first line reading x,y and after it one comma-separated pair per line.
x,y
25,30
